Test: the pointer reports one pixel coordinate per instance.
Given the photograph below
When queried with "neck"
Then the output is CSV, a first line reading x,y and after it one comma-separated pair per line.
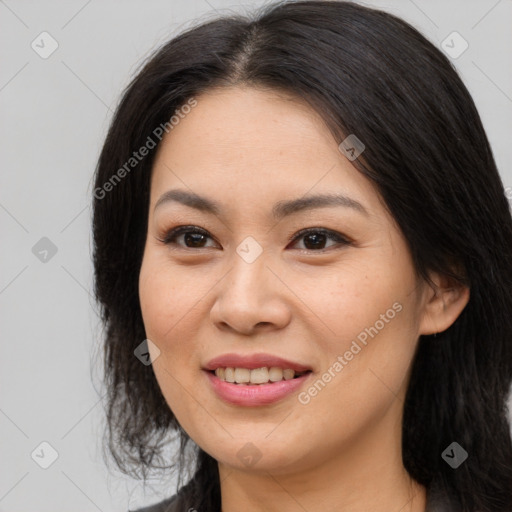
x,y
258,493
365,474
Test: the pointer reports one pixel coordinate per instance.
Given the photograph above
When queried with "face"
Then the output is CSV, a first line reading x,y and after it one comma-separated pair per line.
x,y
341,299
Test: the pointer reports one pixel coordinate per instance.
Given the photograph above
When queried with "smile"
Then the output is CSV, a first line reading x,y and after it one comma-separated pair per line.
x,y
251,394
263,375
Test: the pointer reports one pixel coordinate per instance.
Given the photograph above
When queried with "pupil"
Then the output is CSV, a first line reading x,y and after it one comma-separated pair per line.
x,y
194,238
318,240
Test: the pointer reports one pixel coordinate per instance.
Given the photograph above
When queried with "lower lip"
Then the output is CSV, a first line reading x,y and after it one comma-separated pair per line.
x,y
254,395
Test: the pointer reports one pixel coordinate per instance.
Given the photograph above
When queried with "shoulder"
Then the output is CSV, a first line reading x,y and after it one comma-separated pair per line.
x,y
176,503
168,505
440,499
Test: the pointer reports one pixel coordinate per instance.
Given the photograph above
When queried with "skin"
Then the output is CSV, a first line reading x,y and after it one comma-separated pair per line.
x,y
248,148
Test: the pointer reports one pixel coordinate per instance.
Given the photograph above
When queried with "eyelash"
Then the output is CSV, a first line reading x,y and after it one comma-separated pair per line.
x,y
170,236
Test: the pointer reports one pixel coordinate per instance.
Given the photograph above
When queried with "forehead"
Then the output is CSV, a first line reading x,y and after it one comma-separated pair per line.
x,y
246,144
248,120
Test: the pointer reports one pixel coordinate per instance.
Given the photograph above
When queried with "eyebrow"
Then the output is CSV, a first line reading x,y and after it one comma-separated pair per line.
x,y
280,209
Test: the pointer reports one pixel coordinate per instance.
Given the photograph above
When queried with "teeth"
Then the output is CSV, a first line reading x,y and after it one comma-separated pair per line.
x,y
261,375
275,374
288,374
242,375
229,374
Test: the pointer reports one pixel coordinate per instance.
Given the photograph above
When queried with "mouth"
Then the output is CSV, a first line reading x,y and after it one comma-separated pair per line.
x,y
255,394
257,379
257,376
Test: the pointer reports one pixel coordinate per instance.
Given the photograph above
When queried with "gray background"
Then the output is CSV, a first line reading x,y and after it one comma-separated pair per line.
x,y
54,115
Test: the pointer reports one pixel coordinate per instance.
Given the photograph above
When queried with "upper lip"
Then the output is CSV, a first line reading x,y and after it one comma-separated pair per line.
x,y
253,361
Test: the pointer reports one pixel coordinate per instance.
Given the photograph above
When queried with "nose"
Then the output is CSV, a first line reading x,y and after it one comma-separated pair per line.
x,y
250,299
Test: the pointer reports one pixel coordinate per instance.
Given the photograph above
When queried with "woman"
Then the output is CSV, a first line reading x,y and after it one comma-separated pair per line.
x,y
299,222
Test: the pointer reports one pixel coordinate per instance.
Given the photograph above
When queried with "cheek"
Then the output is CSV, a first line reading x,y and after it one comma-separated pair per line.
x,y
173,309
367,316
349,299
361,380
165,295
166,307
167,314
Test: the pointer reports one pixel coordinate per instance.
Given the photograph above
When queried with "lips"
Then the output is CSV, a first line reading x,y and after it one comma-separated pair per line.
x,y
255,395
253,361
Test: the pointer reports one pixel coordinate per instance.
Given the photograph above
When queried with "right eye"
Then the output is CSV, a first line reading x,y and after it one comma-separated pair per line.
x,y
194,237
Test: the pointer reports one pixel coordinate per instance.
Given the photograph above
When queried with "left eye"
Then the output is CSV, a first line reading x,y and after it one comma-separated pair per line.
x,y
314,238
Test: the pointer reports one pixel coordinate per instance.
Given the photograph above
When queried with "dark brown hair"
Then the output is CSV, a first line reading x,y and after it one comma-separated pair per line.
x,y
369,73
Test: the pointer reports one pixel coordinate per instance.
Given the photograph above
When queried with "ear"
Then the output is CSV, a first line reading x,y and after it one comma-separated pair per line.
x,y
443,303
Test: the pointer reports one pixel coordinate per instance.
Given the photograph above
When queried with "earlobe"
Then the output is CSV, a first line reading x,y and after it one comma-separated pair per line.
x,y
443,304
